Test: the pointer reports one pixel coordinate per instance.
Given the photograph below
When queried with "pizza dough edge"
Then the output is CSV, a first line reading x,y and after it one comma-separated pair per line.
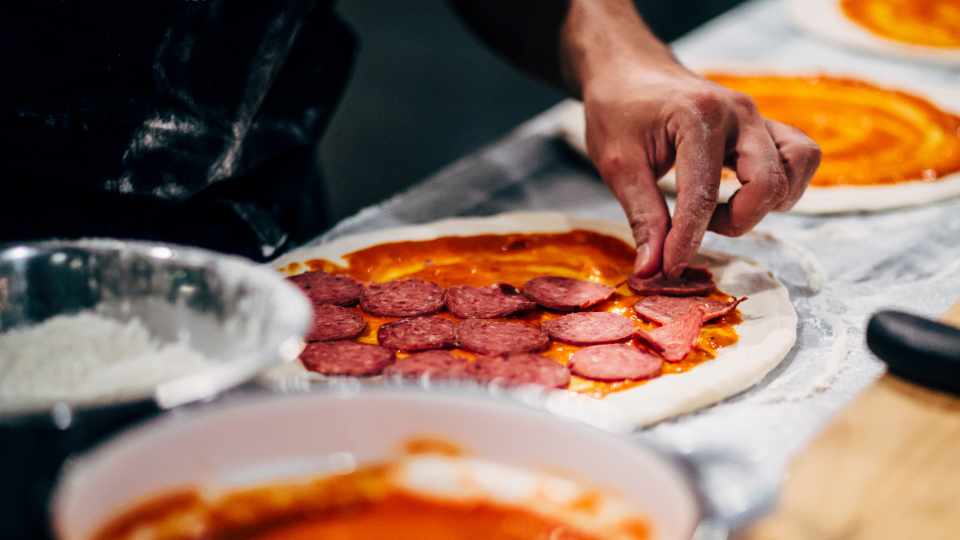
x,y
767,333
826,20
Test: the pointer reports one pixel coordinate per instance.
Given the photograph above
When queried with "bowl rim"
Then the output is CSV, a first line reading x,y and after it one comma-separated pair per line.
x,y
495,400
283,344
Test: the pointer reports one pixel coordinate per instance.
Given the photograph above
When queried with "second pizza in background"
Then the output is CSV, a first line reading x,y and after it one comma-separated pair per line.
x,y
885,144
918,30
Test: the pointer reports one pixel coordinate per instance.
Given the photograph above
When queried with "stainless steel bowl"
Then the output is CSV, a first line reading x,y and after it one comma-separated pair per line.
x,y
242,316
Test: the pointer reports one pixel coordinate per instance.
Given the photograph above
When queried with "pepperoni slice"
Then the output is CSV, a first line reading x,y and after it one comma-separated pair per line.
x,y
498,300
486,336
324,288
590,328
676,339
431,364
346,358
520,369
402,298
615,362
334,322
417,334
664,309
695,281
566,294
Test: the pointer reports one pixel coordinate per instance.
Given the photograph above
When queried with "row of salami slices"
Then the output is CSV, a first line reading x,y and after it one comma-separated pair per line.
x,y
507,348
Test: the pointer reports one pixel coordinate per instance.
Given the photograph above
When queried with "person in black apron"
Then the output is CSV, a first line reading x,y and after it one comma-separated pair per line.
x,y
193,122
197,121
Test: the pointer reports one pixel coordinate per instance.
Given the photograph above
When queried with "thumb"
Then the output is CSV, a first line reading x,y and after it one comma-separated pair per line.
x,y
646,210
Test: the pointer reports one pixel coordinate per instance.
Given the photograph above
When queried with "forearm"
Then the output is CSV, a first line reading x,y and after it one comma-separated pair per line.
x,y
568,42
605,38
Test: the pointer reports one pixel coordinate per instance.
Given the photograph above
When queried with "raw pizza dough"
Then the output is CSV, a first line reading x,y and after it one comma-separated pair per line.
x,y
817,200
767,333
826,19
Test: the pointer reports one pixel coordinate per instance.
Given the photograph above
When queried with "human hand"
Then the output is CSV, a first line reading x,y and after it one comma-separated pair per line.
x,y
642,122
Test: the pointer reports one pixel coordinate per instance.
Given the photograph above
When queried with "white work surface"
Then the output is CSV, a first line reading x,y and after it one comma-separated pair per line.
x,y
839,269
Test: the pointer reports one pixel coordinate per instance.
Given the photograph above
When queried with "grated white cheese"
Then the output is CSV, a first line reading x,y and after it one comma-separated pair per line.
x,y
86,358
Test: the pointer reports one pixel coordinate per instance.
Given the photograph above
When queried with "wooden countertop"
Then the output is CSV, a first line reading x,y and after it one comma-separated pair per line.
x,y
888,467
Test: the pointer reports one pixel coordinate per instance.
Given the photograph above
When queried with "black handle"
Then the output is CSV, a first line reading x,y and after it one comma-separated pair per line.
x,y
920,350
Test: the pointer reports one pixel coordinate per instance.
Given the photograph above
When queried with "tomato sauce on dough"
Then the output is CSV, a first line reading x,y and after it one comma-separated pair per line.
x,y
932,23
516,258
869,135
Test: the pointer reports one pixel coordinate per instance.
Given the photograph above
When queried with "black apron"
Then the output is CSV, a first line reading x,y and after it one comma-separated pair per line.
x,y
188,121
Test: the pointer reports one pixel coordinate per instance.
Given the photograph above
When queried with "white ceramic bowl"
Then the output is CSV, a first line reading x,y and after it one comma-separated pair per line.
x,y
269,437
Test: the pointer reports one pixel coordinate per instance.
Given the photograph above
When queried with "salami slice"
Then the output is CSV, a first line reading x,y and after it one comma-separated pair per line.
x,y
432,364
590,328
664,309
332,322
498,300
417,334
324,288
676,339
346,358
520,369
402,298
566,294
695,281
615,362
485,336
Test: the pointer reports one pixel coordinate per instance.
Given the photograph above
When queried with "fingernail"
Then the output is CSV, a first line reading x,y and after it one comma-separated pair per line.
x,y
642,261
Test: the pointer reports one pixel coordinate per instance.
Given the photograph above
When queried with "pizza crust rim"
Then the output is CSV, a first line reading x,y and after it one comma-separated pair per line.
x,y
826,19
767,333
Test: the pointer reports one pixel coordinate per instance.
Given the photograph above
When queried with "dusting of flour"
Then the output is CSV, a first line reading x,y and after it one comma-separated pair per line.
x,y
86,358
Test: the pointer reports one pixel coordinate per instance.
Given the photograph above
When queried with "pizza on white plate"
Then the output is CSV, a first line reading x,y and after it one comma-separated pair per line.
x,y
885,145
544,300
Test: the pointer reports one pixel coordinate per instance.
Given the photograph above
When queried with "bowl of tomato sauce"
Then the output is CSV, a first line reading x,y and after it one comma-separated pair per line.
x,y
394,463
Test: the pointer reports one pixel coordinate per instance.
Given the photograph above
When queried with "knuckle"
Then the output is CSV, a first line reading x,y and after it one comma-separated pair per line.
x,y
705,104
743,102
611,163
808,149
640,228
657,221
778,186
812,153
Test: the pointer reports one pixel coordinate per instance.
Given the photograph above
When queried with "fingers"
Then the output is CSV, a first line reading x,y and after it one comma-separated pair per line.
x,y
800,156
635,186
700,150
761,171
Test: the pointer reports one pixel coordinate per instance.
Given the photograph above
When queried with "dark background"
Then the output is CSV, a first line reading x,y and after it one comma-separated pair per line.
x,y
425,91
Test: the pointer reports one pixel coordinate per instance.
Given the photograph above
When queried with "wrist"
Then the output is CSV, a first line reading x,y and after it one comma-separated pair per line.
x,y
608,41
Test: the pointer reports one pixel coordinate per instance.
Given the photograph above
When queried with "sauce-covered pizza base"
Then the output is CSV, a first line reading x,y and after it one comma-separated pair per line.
x,y
932,23
869,135
514,259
